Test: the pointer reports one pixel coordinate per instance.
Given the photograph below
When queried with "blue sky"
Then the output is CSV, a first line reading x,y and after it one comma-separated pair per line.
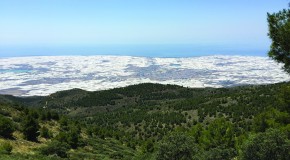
x,y
231,23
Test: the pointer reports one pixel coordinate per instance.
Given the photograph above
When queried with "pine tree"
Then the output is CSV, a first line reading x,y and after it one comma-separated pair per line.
x,y
6,127
279,32
30,128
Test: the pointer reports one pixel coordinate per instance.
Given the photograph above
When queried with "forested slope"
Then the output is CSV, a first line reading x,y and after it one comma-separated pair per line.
x,y
152,121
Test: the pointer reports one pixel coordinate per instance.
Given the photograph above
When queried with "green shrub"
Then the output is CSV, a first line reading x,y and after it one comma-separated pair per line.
x,y
55,148
272,118
148,146
177,146
16,119
6,127
116,155
70,137
30,128
6,148
271,145
44,132
4,113
218,153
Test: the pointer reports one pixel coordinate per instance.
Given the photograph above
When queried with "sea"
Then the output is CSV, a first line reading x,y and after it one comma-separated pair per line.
x,y
139,50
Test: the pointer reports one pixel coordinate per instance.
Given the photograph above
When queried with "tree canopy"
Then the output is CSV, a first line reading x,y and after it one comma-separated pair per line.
x,y
6,127
30,128
269,145
177,146
279,32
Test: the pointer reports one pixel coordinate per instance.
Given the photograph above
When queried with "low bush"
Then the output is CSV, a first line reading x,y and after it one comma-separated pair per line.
x,y
5,148
55,148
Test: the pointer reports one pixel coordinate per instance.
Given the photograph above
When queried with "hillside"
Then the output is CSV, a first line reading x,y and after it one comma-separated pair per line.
x,y
140,121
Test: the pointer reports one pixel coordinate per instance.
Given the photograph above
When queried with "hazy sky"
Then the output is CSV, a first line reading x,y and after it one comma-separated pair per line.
x,y
90,22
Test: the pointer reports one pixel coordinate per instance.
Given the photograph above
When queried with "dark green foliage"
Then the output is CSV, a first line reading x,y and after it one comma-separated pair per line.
x,y
279,32
4,113
54,115
148,146
101,98
286,97
5,148
216,140
177,146
218,133
271,145
195,132
64,122
218,153
6,127
286,130
33,113
271,118
30,128
73,138
55,148
70,136
44,132
116,155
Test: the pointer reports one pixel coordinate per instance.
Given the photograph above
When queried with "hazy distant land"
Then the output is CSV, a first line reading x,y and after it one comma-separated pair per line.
x,y
28,76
